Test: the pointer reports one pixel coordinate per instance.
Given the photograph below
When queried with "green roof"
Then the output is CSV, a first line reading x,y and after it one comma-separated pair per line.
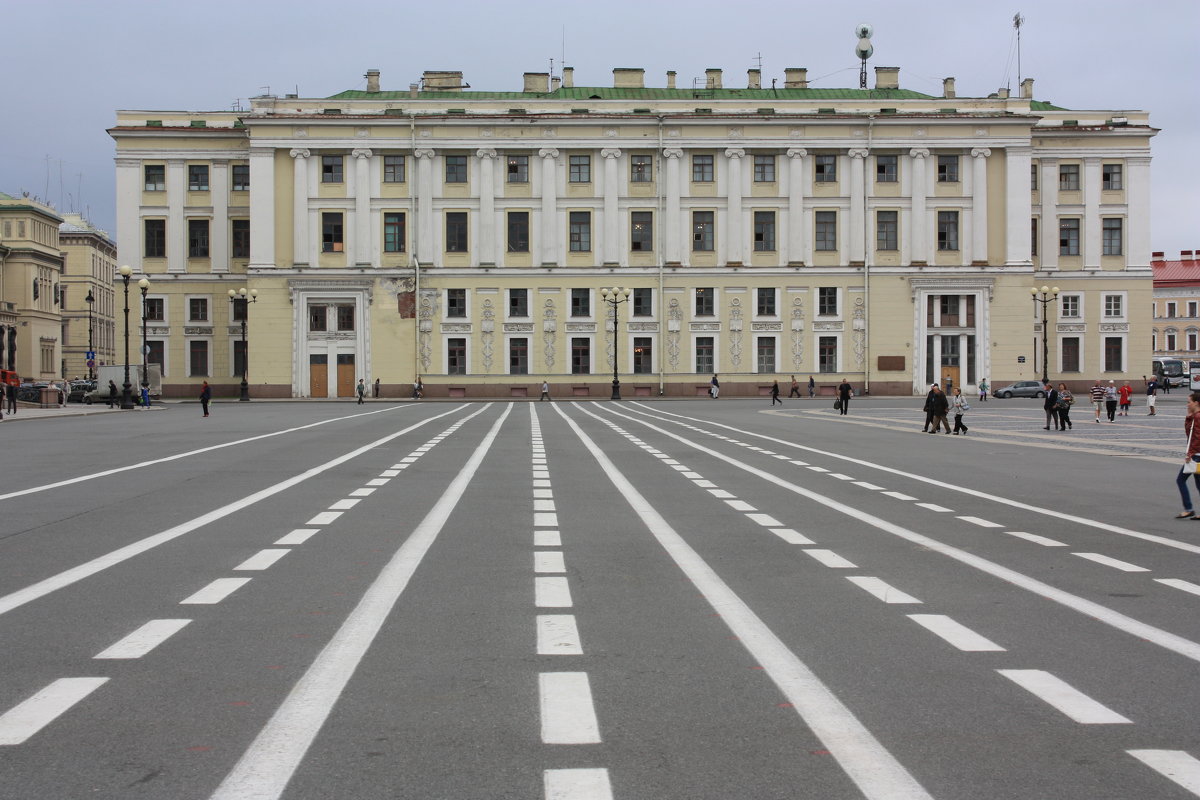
x,y
609,93
1039,105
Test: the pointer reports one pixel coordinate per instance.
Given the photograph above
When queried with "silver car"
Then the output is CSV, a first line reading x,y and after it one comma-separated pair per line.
x,y
1021,389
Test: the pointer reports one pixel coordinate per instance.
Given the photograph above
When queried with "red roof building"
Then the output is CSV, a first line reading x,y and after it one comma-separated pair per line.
x,y
1176,331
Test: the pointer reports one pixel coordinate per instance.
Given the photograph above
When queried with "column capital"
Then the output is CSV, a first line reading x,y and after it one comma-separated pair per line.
x,y
485,153
735,152
919,152
797,152
860,152
980,152
361,152
673,152
610,152
423,152
299,152
548,152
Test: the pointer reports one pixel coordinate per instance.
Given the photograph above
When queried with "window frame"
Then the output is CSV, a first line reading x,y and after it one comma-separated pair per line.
x,y
455,169
825,231
641,355
516,168
191,358
704,301
239,237
825,168
456,354
159,184
518,355
1112,236
641,235
704,231
1112,177
948,168
333,168
517,305
1070,227
704,354
581,345
198,178
947,231
766,302
887,232
199,241
641,168
579,231
333,232
764,231
157,236
581,303
764,168
395,231
394,168
828,363
457,232
887,168
195,301
579,168
517,221
828,297
1068,177
456,304
704,169
239,177
642,302
1066,301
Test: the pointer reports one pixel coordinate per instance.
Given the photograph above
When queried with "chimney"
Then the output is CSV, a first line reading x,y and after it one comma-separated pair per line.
x,y
413,89
372,77
1027,89
712,78
887,77
443,80
1187,255
1002,92
671,79
555,82
629,78
568,78
795,78
754,79
538,82
1157,255
948,88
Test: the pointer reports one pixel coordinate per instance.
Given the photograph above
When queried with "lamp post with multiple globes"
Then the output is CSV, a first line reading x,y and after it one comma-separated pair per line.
x,y
126,398
241,300
144,285
1045,295
90,299
614,297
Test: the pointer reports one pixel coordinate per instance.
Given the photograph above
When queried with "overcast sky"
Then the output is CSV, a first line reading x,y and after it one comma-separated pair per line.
x,y
69,65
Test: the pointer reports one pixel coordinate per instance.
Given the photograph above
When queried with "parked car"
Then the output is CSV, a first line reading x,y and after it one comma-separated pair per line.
x,y
79,389
1020,389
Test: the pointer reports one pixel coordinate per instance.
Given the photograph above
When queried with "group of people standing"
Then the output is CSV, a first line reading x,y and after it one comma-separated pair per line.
x,y
938,407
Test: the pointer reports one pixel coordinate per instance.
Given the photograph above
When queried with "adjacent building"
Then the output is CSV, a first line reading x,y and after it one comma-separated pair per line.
x,y
883,235
87,297
1176,331
31,264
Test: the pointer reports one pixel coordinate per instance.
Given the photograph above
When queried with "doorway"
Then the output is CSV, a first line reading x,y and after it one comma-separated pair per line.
x,y
345,375
318,375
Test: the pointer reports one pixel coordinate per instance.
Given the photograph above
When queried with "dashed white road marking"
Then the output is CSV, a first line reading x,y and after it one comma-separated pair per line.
x,y
955,633
298,536
791,537
1175,765
344,505
818,469
389,473
545,519
693,475
798,463
551,593
936,507
721,493
1033,537
739,505
547,538
548,561
830,559
362,493
1124,566
544,494
144,639
324,518
543,505
872,486
1066,698
1176,583
568,715
766,520
262,559
215,592
882,590
557,635
703,484
27,718
983,523
840,476
577,784
541,482
378,481
899,495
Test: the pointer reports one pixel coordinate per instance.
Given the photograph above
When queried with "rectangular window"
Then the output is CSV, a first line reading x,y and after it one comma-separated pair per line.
x,y
1114,305
1114,244
198,358
581,302
643,355
1033,176
886,169
1068,237
702,169
704,303
581,356
1112,177
240,177
518,231
1113,347
643,302
393,169
345,317
641,231
580,230
1191,307
765,355
156,353
886,230
703,229
705,355
197,177
1068,177
764,169
827,354
156,177
197,309
1170,341
156,309
456,169
579,169
456,356
825,169
197,238
156,238
331,232
947,230
1033,236
947,169
764,305
518,356
1070,305
331,169
393,232
317,318
827,301
239,357
764,231
641,168
518,169
240,238
1070,354
826,233
518,302
238,311
456,231
456,303
1171,310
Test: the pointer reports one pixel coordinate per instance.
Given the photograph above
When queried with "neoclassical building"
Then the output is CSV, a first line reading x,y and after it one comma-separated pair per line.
x,y
88,297
1176,331
883,235
31,264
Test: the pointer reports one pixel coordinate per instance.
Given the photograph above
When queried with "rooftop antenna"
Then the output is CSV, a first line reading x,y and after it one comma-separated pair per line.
x,y
1018,21
758,60
864,49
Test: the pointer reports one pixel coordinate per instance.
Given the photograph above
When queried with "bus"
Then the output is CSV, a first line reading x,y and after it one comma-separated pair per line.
x,y
1172,370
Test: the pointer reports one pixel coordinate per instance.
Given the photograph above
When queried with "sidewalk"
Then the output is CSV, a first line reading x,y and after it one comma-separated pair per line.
x,y
31,412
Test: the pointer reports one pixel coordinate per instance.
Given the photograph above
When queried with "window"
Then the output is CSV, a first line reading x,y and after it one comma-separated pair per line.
x,y
197,177
518,356
1192,340
456,303
643,302
156,309
1068,237
947,230
579,169
393,169
702,231
886,169
1068,177
827,301
1070,354
764,231
826,238
331,232
643,355
765,354
1191,307
886,226
702,169
1033,176
1171,310
317,318
156,238
197,238
456,169
331,169
825,169
764,305
156,177
456,231
704,303
240,238
1170,340
240,177
581,303
393,232
827,354
156,353
1112,177
518,169
580,229
947,169
1114,347
581,356
1114,305
764,169
1113,239
518,231
705,362
237,311
1070,305
518,302
641,231
197,309
456,356
1033,236
641,168
197,358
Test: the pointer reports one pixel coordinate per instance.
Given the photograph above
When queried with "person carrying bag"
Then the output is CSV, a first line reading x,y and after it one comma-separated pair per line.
x,y
1191,463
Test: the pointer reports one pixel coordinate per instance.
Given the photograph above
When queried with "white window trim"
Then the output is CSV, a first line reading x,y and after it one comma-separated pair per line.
x,y
773,317
166,351
187,309
653,315
715,336
1124,352
1172,308
187,355
841,305
591,315
716,315
529,353
1124,316
591,338
1079,301
529,296
816,351
775,366
466,304
628,361
166,301
446,355
233,340
1083,365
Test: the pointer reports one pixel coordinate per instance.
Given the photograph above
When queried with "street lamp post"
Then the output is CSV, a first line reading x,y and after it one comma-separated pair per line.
x,y
1045,295
241,301
126,398
144,285
614,297
91,298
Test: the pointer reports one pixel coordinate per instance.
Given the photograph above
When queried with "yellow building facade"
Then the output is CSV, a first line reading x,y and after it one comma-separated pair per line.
x,y
31,264
88,298
881,235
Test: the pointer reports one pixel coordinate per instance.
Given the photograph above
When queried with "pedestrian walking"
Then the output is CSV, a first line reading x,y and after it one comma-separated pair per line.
x,y
360,390
983,390
714,387
10,396
205,396
418,389
1051,406
1151,395
928,408
795,392
1110,401
545,391
1097,398
960,407
845,392
112,394
940,405
1191,427
1125,393
377,388
1063,402
812,386
775,394
145,396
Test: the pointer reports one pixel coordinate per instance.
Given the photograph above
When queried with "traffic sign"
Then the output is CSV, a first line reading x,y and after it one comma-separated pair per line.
x,y
91,355
91,362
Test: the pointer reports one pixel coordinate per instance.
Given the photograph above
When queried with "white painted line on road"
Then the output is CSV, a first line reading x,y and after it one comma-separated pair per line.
x,y
1176,583
547,539
766,520
1175,765
568,716
1124,566
899,495
956,633
144,639
781,457
1067,699
983,523
693,475
545,519
545,494
551,593
740,505
818,469
215,592
362,492
548,561
407,460
577,784
324,518
557,635
703,484
541,473
797,463
298,536
1033,537
379,482
935,507
670,461
791,537
543,505
344,505
542,482
881,590
840,476
830,559
391,473
872,486
27,718
681,468
721,493
262,559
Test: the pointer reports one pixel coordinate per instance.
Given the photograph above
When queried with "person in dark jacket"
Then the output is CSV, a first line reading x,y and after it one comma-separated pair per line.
x,y
1051,406
845,392
929,408
941,405
112,394
205,396
775,394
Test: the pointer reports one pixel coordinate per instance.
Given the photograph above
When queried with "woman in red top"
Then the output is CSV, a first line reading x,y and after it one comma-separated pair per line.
x,y
1191,424
1126,393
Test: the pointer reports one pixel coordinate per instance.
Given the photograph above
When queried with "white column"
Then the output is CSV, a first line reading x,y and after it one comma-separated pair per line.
x,y
611,255
486,224
1091,213
299,205
673,224
797,179
858,205
549,221
1048,229
129,216
177,233
219,227
734,251
363,249
916,219
262,207
1137,220
1018,206
979,207
426,253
